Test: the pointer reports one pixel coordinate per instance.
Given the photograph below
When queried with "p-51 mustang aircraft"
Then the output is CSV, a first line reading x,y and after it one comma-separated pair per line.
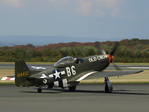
x,y
68,72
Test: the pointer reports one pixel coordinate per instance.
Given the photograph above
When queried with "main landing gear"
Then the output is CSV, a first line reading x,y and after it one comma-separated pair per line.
x,y
73,88
108,85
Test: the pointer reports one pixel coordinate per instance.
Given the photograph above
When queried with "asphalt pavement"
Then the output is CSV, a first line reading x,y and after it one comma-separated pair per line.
x,y
87,98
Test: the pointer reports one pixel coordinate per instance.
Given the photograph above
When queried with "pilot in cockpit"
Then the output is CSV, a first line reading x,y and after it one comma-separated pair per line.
x,y
78,60
68,60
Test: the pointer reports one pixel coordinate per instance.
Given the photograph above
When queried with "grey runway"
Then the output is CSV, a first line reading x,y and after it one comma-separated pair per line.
x,y
12,66
87,98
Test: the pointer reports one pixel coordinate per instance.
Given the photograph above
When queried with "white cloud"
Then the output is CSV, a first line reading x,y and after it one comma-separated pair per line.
x,y
53,0
13,3
100,13
84,7
98,7
114,6
57,5
81,7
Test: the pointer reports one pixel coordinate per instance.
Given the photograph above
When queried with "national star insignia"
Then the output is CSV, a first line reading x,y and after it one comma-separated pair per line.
x,y
57,74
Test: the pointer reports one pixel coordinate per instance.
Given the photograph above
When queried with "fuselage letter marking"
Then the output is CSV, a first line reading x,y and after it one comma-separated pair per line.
x,y
70,71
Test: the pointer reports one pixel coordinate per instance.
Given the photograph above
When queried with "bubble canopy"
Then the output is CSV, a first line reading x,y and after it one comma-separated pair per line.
x,y
65,60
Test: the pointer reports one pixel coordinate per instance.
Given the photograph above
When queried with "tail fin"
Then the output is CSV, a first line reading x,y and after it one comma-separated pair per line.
x,y
21,73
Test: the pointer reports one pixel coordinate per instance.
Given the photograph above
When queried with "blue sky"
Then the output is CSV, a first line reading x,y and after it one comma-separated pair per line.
x,y
101,19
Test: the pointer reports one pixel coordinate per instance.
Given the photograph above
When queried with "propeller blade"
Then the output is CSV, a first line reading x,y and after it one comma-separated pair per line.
x,y
114,48
97,45
116,67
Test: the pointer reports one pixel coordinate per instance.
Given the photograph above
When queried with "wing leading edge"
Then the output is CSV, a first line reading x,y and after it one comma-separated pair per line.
x,y
96,74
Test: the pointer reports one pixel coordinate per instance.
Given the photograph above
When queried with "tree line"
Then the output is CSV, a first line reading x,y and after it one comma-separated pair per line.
x,y
129,51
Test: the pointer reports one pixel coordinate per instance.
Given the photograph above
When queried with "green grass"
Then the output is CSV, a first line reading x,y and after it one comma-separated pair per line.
x,y
6,83
131,63
115,82
29,62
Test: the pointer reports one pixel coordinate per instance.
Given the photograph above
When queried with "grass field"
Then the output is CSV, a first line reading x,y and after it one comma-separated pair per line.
x,y
142,77
29,62
4,73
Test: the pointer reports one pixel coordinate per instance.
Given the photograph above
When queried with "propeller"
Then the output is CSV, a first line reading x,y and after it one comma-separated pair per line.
x,y
116,67
102,51
114,48
111,55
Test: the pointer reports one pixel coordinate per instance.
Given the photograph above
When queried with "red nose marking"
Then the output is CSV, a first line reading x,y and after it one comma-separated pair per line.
x,y
110,58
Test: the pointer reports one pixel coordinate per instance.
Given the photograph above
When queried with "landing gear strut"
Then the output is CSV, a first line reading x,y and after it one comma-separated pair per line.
x,y
108,85
73,88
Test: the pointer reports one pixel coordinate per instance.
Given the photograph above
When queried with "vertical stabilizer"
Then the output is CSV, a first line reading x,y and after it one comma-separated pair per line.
x,y
21,72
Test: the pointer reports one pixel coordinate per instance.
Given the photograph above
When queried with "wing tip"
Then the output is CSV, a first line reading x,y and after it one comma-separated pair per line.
x,y
139,71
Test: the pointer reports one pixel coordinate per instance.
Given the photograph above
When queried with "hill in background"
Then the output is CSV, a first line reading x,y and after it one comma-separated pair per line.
x,y
43,40
129,51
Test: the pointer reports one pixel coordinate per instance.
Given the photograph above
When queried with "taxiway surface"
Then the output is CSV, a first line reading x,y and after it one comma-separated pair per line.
x,y
87,98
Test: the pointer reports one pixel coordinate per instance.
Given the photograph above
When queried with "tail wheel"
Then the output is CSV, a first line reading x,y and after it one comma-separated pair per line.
x,y
73,88
39,90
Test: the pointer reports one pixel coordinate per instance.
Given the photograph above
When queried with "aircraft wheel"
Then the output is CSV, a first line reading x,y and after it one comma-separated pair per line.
x,y
39,90
108,89
73,88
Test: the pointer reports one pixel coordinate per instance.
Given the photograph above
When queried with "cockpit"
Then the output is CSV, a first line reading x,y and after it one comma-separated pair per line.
x,y
68,60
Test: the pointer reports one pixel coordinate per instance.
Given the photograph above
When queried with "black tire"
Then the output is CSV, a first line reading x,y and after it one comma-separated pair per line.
x,y
108,89
73,88
39,90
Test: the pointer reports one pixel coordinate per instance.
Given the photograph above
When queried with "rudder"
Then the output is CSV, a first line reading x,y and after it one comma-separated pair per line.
x,y
21,73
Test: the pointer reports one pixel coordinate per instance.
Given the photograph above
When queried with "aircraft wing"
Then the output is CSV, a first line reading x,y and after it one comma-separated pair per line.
x,y
96,74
